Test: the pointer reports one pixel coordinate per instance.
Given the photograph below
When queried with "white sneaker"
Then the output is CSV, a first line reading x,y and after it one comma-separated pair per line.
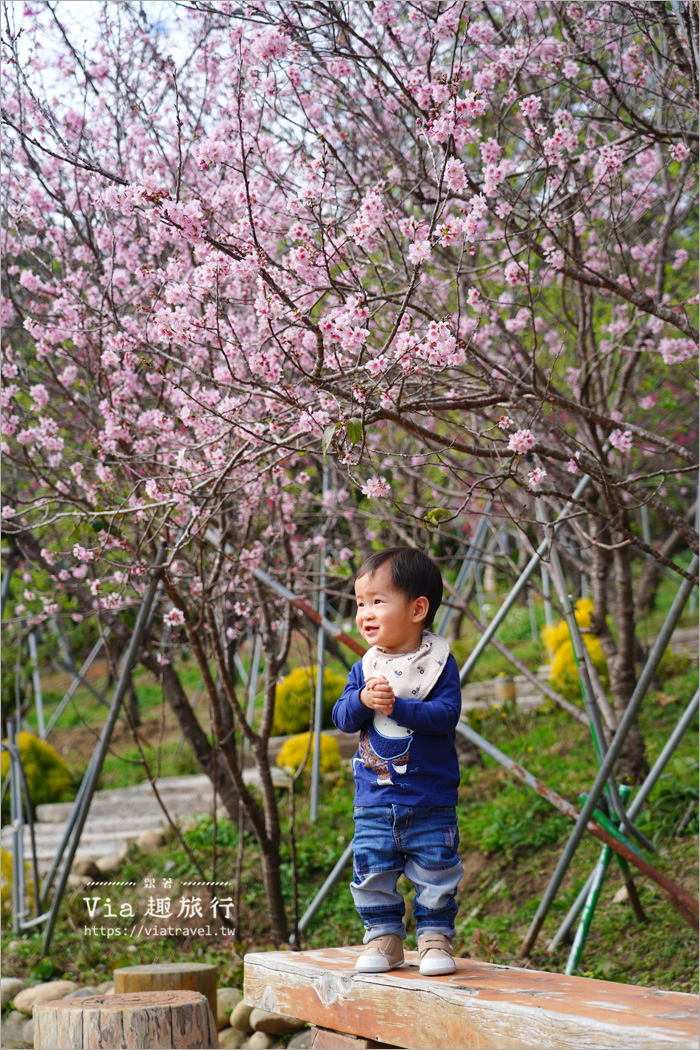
x,y
436,955
381,954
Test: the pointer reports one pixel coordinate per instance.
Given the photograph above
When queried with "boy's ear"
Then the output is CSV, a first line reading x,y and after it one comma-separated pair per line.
x,y
421,609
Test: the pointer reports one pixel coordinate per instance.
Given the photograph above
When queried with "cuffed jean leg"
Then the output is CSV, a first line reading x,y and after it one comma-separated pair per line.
x,y
377,864
434,868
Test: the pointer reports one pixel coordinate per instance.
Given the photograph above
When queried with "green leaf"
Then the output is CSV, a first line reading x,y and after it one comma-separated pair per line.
x,y
354,430
328,435
432,519
99,525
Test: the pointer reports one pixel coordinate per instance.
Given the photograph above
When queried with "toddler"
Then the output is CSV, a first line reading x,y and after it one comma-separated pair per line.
x,y
404,697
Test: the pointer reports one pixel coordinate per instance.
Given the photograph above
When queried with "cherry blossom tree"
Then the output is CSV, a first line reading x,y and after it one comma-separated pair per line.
x,y
451,246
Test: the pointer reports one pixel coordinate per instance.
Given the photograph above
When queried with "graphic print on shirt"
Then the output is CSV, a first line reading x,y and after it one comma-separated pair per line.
x,y
384,746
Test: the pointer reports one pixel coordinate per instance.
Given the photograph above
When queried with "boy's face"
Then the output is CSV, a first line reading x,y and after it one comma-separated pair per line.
x,y
385,617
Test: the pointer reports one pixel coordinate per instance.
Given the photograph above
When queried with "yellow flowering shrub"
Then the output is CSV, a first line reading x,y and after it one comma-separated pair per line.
x,y
293,750
294,695
564,674
48,777
557,633
6,883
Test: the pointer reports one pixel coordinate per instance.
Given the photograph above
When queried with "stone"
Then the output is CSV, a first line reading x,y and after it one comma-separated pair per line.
x,y
42,993
260,1041
149,841
230,1038
621,896
240,1017
86,867
81,993
9,987
303,1040
12,1026
226,1000
78,881
274,1024
28,1033
111,861
105,986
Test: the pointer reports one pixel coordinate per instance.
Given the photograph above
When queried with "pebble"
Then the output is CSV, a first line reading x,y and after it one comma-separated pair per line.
x,y
105,986
621,896
43,993
111,861
230,1039
240,1017
226,1000
28,1033
260,1041
87,867
149,841
303,1040
9,987
274,1024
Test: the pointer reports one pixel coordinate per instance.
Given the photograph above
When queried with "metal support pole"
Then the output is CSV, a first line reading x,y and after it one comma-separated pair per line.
x,y
646,531
105,736
608,763
77,679
17,822
589,696
12,559
533,616
597,880
547,591
320,655
70,665
36,682
467,568
520,583
633,811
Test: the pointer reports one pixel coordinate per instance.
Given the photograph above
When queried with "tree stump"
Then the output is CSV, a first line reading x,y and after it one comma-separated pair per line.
x,y
169,977
147,1021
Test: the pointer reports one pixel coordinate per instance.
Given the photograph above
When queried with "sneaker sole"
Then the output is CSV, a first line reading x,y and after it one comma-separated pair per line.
x,y
378,968
437,970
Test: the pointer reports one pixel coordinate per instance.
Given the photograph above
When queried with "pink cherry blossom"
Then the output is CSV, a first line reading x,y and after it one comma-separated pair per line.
x,y
174,618
536,477
376,487
521,442
621,440
419,251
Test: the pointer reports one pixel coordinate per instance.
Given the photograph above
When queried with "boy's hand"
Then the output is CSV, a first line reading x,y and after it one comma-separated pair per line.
x,y
378,695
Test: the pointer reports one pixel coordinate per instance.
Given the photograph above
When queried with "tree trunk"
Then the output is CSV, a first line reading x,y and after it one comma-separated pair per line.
x,y
631,765
650,576
273,892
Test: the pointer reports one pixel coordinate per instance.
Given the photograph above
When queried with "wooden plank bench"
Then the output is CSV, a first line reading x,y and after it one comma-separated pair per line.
x,y
480,1006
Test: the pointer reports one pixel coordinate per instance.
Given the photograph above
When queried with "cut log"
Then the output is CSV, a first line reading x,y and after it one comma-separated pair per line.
x,y
480,1005
152,1020
169,977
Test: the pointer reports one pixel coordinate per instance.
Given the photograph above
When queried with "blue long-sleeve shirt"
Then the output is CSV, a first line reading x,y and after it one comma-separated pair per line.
x,y
418,770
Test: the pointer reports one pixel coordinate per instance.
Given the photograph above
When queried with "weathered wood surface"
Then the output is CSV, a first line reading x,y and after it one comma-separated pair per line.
x,y
169,977
324,1039
481,1006
147,1021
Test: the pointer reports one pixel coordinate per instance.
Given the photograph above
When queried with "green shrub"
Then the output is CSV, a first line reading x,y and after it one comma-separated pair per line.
x,y
293,750
673,665
293,700
48,777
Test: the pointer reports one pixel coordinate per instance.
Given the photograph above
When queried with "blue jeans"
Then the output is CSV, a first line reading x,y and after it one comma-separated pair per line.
x,y
421,842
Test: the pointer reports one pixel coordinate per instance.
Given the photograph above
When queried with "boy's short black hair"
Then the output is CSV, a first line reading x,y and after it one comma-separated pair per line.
x,y
413,574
